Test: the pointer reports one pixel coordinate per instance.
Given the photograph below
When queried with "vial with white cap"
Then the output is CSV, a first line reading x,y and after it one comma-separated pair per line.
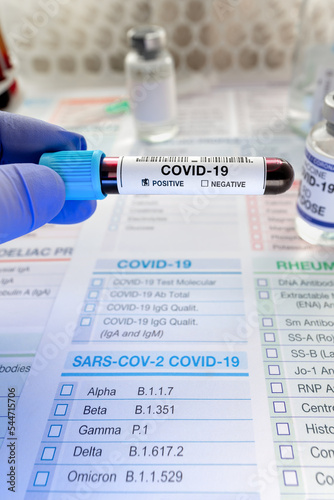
x,y
315,204
150,76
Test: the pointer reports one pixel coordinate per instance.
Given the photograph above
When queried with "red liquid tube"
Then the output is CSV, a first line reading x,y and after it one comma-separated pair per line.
x,y
91,175
8,85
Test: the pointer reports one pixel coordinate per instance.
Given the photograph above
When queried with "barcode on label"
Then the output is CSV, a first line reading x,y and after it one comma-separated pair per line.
x,y
202,159
168,159
226,159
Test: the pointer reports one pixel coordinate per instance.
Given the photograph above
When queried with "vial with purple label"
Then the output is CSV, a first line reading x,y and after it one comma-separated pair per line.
x,y
315,204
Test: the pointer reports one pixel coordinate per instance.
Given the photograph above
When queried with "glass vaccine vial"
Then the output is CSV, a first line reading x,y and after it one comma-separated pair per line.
x,y
315,204
150,77
313,65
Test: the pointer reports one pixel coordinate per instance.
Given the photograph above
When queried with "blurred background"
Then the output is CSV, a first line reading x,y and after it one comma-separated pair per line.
x,y
213,42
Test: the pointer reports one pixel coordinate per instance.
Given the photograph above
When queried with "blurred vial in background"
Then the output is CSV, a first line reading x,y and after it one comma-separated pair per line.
x,y
8,84
313,65
150,77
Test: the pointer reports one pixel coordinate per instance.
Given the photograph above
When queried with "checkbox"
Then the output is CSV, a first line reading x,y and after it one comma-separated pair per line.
x,y
267,322
85,321
41,478
274,370
97,282
271,353
283,429
262,282
276,387
66,390
90,308
93,295
263,295
290,478
115,218
55,431
48,453
269,337
60,410
205,184
286,452
279,407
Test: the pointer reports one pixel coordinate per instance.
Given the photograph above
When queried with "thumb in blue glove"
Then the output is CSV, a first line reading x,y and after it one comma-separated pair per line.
x,y
30,194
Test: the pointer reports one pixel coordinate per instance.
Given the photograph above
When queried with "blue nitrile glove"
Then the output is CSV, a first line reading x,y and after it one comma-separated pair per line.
x,y
30,194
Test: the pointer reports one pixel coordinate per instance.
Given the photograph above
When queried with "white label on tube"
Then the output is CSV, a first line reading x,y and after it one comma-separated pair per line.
x,y
191,175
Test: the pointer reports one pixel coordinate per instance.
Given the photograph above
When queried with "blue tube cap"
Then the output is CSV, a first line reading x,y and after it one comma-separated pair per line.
x,y
80,171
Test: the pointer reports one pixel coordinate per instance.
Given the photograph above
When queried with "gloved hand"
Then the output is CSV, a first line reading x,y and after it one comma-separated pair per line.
x,y
32,195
